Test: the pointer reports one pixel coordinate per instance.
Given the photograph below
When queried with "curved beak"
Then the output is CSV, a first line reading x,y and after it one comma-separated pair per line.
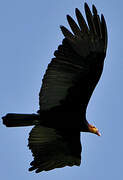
x,y
93,129
98,133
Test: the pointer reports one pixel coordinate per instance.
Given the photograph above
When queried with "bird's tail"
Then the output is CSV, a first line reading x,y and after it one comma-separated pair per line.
x,y
18,120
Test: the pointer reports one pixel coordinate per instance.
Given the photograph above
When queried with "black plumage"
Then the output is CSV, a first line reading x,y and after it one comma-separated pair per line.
x,y
67,86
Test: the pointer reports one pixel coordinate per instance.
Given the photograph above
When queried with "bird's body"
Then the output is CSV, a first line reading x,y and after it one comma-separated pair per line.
x,y
68,82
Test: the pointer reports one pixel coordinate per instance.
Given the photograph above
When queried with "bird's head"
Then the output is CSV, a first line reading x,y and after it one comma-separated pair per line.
x,y
93,129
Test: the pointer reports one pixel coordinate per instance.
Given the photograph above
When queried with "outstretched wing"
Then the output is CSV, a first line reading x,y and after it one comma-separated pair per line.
x,y
77,66
54,149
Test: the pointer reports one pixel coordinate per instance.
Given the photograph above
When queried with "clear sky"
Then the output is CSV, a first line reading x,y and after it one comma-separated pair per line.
x,y
29,34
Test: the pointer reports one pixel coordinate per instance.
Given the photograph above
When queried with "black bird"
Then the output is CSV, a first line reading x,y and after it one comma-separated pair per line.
x,y
66,89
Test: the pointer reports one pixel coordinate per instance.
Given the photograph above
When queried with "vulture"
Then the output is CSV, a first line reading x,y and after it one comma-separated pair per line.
x,y
67,86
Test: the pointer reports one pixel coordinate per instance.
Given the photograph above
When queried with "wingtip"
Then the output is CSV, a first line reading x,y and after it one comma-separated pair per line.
x,y
68,16
94,9
85,4
104,29
86,7
61,26
102,17
76,10
87,10
103,21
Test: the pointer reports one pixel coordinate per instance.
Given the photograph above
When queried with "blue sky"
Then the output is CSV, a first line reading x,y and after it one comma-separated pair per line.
x,y
29,34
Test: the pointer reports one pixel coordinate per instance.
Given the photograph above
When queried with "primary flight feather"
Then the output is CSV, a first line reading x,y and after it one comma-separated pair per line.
x,y
67,86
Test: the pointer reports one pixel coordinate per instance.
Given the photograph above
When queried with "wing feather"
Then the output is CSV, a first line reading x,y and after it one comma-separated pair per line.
x,y
77,66
90,19
67,33
81,21
104,31
73,26
53,149
97,22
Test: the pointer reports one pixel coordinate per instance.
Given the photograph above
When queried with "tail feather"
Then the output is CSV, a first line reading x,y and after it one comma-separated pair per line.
x,y
18,120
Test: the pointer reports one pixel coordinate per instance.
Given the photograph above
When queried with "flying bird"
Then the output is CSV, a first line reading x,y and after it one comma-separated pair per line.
x,y
67,86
